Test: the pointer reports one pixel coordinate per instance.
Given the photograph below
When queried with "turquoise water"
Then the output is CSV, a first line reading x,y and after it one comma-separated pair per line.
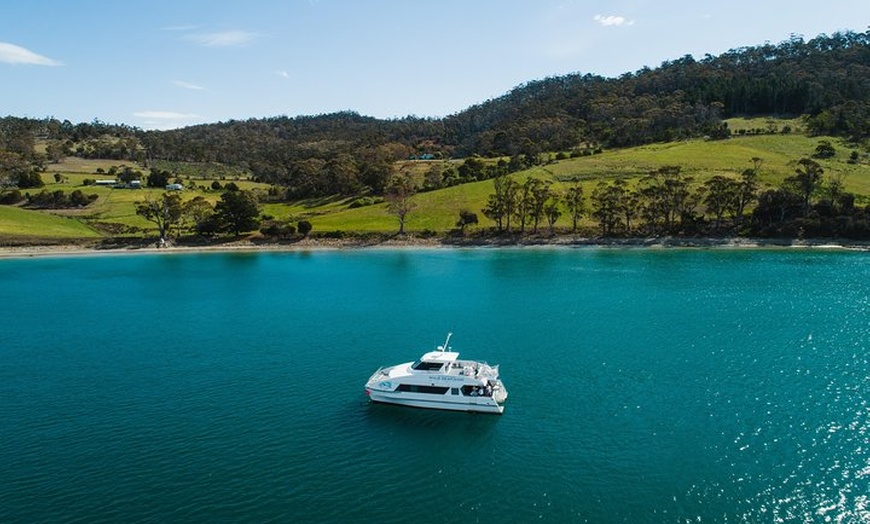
x,y
645,386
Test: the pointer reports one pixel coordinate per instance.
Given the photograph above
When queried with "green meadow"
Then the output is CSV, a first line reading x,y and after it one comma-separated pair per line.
x,y
438,211
24,224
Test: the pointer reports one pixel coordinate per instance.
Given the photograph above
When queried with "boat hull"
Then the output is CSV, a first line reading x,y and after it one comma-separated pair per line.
x,y
480,405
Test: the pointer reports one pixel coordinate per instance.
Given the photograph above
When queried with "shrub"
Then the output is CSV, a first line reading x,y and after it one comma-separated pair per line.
x,y
338,234
278,230
29,180
11,197
78,198
304,227
824,150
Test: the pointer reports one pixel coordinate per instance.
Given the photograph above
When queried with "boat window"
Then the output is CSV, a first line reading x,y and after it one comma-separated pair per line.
x,y
476,391
427,366
454,391
413,388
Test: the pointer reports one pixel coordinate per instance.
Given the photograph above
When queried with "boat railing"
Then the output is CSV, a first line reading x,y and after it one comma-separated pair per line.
x,y
488,371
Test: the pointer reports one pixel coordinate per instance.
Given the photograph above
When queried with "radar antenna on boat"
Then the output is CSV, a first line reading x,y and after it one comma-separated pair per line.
x,y
442,348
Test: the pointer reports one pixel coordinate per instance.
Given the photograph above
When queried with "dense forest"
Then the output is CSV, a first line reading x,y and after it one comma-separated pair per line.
x,y
826,79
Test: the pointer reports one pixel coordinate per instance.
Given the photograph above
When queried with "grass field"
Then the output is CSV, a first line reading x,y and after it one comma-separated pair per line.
x,y
16,222
700,159
439,210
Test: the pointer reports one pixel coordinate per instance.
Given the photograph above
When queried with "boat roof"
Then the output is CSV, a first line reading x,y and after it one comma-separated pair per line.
x,y
440,356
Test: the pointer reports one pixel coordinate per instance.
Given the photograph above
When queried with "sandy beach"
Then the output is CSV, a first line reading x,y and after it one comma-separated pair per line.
x,y
411,242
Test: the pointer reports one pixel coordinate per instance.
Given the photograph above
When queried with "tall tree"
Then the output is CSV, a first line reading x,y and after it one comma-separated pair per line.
x,y
239,211
629,204
806,181
606,202
524,205
501,204
747,188
721,197
165,212
553,209
667,198
398,195
15,170
196,213
834,185
576,204
541,193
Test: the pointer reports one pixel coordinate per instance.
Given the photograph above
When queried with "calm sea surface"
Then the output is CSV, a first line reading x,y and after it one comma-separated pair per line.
x,y
645,386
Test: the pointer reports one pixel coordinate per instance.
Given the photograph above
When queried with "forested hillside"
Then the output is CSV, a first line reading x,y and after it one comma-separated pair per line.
x,y
826,79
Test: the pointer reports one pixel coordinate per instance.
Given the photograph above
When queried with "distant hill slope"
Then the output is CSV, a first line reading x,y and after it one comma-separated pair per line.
x,y
826,79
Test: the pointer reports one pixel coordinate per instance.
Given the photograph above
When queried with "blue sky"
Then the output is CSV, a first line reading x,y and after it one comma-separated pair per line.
x,y
163,64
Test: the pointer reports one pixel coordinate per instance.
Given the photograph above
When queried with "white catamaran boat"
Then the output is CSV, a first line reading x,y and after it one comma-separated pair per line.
x,y
439,380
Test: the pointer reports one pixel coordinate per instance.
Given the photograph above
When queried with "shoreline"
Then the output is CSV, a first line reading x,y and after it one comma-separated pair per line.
x,y
409,242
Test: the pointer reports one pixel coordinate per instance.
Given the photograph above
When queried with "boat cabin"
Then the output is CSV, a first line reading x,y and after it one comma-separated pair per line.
x,y
434,361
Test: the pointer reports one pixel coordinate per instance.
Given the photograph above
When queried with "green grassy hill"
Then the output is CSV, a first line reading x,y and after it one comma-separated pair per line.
x,y
23,225
438,211
700,159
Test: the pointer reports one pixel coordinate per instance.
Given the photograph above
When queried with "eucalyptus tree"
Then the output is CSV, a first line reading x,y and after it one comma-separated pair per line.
x,y
576,204
667,198
540,194
721,197
523,208
606,201
776,206
629,204
747,189
805,182
196,212
165,212
500,205
398,196
341,176
553,209
834,187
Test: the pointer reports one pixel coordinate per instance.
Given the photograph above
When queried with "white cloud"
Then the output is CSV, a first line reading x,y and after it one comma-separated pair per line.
x,y
283,74
13,54
612,20
166,119
224,39
188,85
